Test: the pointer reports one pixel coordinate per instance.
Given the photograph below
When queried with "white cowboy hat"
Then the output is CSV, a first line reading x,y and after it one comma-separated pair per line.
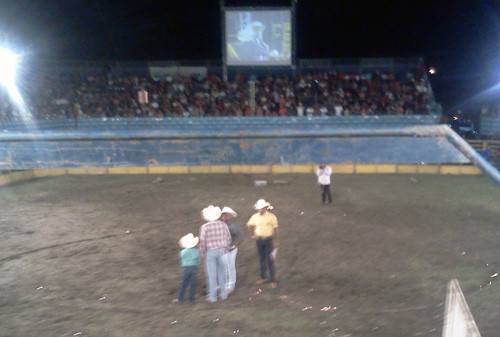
x,y
260,204
188,241
211,213
247,33
229,210
257,24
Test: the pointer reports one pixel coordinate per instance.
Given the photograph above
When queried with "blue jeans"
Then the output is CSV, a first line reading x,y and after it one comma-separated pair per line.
x,y
265,248
216,274
188,279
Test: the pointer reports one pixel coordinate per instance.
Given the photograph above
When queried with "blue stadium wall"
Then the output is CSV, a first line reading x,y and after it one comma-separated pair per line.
x,y
225,151
224,141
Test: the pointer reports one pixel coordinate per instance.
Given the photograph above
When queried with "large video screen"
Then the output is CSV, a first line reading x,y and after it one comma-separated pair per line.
x,y
258,37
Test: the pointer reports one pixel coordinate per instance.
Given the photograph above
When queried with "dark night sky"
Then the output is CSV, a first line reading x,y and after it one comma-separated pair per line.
x,y
460,38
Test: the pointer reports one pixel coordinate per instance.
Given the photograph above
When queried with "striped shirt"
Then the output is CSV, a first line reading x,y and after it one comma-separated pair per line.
x,y
213,235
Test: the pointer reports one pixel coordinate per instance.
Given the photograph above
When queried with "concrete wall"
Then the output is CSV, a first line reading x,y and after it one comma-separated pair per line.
x,y
269,149
127,152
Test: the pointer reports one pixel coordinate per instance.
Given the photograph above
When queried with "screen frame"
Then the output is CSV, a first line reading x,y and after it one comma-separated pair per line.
x,y
224,36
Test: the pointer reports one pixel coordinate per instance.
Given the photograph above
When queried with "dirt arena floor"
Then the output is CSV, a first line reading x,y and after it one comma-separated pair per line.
x,y
98,256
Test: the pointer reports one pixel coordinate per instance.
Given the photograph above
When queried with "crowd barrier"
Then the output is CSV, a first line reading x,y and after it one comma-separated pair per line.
x,y
481,145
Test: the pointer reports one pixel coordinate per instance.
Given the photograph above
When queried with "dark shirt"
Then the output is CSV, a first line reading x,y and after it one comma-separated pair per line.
x,y
236,232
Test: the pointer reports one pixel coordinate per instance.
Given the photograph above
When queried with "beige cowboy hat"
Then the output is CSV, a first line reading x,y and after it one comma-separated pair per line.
x,y
211,213
260,204
229,210
188,241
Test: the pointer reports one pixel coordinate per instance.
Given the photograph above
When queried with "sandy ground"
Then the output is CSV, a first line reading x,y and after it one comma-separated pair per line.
x,y
97,256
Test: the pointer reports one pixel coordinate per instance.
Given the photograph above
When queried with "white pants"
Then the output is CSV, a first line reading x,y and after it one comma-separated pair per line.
x,y
230,259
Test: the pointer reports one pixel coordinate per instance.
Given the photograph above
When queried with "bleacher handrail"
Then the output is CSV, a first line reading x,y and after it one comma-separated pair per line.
x,y
213,121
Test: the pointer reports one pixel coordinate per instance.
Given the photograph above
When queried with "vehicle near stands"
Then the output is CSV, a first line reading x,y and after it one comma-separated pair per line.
x,y
463,126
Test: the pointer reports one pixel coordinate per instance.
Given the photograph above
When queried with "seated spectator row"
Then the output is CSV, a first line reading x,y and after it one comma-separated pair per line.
x,y
72,96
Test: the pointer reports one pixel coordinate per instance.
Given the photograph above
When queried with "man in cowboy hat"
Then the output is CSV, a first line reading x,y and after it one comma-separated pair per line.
x,y
250,45
190,259
237,236
215,239
263,226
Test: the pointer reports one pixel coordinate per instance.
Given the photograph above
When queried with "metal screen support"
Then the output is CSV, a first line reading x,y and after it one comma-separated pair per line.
x,y
223,38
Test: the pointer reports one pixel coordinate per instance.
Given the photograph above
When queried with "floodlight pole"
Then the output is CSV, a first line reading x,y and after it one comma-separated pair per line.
x,y
223,38
294,39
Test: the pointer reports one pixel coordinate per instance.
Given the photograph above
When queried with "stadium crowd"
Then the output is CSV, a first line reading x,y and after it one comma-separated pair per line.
x,y
74,96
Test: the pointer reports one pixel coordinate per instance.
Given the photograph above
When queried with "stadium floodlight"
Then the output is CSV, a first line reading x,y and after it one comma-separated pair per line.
x,y
8,64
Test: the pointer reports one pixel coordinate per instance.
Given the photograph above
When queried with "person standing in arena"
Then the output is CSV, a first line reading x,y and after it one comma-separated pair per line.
x,y
263,227
190,259
215,238
323,173
237,236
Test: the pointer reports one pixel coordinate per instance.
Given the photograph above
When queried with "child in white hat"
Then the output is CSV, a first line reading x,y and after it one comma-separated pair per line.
x,y
190,259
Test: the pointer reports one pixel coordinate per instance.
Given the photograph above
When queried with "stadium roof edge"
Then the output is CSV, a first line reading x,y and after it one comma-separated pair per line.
x,y
416,61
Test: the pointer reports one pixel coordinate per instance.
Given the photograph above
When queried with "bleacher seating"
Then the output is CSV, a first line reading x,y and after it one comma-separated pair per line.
x,y
52,96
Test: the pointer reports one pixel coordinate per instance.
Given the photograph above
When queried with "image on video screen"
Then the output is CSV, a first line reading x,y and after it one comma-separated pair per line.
x,y
258,37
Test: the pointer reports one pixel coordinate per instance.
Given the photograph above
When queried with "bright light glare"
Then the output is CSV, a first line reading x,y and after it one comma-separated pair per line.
x,y
9,61
8,64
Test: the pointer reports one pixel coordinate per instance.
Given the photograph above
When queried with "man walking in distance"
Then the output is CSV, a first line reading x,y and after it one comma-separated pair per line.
x,y
215,238
323,173
237,236
263,227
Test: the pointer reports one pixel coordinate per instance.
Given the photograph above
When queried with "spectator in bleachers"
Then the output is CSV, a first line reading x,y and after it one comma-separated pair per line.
x,y
325,94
